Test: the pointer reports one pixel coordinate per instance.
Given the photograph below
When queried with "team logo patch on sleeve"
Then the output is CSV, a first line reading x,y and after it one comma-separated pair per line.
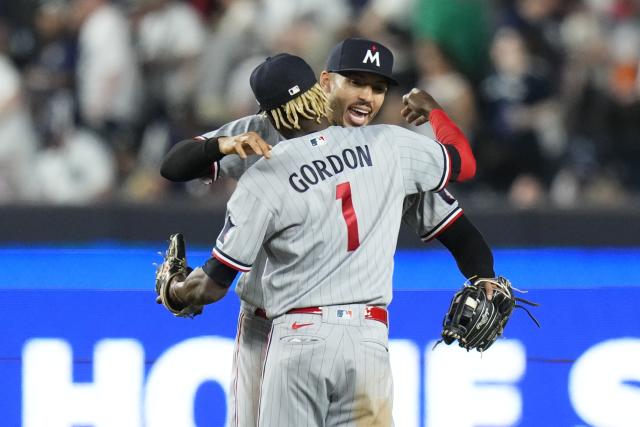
x,y
319,140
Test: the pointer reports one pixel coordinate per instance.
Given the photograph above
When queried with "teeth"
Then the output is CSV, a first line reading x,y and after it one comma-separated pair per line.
x,y
358,110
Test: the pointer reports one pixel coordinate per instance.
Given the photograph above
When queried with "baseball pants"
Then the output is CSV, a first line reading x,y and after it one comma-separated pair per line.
x,y
329,369
251,343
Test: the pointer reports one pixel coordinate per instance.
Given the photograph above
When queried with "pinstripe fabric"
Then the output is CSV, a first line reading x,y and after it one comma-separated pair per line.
x,y
430,213
234,166
331,372
251,346
422,212
304,225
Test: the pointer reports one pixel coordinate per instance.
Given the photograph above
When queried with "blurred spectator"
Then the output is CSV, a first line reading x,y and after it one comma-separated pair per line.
x,y
249,31
18,15
453,91
77,167
171,38
622,112
538,23
462,28
234,38
330,16
49,75
517,104
600,94
551,103
18,141
108,78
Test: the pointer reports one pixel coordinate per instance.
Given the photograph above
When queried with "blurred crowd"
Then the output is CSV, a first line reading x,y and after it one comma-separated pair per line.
x,y
94,92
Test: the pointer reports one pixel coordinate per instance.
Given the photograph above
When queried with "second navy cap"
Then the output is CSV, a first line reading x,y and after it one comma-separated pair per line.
x,y
356,54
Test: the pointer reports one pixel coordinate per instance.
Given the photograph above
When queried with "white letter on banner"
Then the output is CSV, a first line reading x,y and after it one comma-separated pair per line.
x,y
596,383
176,376
405,367
453,380
51,399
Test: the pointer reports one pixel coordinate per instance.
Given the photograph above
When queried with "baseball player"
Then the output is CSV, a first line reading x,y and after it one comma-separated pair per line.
x,y
326,208
356,90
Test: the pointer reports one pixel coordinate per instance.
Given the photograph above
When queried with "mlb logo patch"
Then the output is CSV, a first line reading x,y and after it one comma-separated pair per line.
x,y
344,314
320,140
294,90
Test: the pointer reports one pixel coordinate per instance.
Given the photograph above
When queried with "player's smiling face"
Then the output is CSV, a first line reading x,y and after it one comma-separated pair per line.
x,y
355,97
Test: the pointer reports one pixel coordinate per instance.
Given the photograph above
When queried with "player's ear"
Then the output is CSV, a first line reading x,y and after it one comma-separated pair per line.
x,y
325,81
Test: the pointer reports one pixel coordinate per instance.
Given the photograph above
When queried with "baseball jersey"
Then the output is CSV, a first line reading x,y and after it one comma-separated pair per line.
x,y
327,208
426,213
233,166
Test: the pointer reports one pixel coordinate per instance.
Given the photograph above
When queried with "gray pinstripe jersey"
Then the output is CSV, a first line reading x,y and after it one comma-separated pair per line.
x,y
426,213
234,166
328,208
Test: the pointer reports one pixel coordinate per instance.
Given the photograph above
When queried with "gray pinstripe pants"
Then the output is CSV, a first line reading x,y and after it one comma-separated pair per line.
x,y
327,370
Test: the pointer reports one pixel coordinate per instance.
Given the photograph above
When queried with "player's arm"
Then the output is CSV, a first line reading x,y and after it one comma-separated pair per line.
x,y
439,216
420,107
195,158
248,222
191,159
204,285
469,248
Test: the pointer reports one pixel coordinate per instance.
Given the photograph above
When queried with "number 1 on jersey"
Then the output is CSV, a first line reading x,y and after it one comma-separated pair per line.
x,y
343,192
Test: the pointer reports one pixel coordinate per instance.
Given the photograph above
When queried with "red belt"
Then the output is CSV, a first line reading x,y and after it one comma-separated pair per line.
x,y
371,312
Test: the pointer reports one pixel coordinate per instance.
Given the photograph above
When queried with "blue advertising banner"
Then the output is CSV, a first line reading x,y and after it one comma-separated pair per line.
x,y
104,354
121,267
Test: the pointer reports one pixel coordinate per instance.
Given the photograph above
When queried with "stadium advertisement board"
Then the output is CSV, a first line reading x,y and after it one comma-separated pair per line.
x,y
112,357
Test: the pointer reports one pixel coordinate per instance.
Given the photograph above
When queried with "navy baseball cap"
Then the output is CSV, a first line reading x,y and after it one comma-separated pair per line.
x,y
281,78
364,55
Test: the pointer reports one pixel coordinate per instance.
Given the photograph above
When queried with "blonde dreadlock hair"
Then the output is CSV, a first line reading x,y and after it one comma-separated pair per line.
x,y
312,105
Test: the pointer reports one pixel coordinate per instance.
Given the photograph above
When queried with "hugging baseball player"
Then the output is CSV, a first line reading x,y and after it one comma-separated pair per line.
x,y
356,90
326,208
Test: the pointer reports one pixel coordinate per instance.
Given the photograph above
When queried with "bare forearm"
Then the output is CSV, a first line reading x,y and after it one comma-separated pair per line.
x,y
197,289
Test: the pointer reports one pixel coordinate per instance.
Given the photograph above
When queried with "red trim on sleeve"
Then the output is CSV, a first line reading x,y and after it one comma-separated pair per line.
x,y
448,133
447,223
230,263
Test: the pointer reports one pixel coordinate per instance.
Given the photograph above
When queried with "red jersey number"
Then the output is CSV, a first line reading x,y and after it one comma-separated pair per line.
x,y
343,192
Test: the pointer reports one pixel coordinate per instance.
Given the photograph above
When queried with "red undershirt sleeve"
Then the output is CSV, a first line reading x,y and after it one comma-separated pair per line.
x,y
449,134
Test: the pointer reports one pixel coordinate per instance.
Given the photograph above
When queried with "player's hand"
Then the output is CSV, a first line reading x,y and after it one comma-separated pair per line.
x,y
418,106
488,289
244,145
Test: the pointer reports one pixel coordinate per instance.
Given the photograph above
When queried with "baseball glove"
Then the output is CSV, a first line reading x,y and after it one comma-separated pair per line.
x,y
474,320
174,266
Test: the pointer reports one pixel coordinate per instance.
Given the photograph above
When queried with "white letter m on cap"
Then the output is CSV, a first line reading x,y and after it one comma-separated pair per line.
x,y
370,57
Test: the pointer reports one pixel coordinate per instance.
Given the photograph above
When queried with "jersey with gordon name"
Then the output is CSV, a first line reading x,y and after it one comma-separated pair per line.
x,y
328,207
426,213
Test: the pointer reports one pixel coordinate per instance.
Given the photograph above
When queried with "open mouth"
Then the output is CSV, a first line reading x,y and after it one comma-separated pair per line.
x,y
358,115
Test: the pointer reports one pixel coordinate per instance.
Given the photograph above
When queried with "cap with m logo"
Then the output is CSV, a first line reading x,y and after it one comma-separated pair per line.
x,y
363,55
